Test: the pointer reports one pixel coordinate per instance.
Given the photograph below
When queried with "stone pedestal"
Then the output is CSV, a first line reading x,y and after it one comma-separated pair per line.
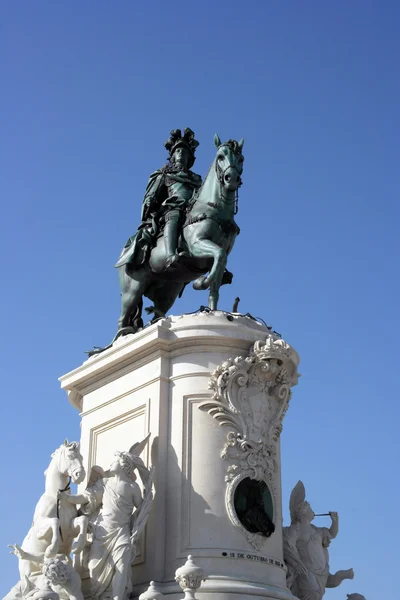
x,y
156,380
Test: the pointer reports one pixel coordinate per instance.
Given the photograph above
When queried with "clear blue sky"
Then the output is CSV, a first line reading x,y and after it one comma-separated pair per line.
x,y
89,93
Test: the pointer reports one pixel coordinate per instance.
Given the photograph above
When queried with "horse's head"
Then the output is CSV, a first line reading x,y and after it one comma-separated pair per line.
x,y
69,461
229,163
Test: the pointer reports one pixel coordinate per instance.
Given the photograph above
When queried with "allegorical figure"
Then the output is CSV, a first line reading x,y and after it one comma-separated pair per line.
x,y
168,194
56,579
119,512
306,550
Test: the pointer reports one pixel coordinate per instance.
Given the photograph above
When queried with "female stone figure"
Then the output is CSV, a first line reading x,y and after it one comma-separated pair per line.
x,y
306,550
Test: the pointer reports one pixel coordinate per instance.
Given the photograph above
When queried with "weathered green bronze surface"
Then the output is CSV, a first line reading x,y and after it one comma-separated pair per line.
x,y
186,233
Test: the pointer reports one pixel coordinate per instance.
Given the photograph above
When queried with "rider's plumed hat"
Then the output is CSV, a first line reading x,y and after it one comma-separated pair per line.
x,y
187,140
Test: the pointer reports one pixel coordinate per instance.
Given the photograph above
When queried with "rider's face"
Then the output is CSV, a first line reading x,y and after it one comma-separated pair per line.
x,y
181,157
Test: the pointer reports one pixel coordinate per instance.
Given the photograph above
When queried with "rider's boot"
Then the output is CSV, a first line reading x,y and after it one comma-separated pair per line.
x,y
171,232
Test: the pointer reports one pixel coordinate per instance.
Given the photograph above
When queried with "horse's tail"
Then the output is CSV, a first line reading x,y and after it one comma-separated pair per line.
x,y
136,318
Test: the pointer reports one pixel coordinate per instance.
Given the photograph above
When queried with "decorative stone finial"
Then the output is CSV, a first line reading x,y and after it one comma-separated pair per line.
x,y
189,578
151,593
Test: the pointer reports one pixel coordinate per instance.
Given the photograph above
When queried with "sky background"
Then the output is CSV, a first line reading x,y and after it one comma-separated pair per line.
x,y
89,91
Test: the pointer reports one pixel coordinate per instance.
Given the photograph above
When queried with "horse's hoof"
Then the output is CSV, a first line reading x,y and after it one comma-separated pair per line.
x,y
123,331
201,283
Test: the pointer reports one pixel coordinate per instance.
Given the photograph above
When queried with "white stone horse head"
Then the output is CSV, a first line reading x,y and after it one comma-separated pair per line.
x,y
66,462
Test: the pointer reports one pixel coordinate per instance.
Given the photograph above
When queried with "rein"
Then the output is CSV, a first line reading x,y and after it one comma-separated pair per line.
x,y
66,489
220,178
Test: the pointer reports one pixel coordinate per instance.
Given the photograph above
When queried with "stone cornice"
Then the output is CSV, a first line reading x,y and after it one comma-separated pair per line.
x,y
168,337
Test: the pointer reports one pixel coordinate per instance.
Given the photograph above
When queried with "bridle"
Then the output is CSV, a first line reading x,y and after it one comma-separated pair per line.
x,y
220,173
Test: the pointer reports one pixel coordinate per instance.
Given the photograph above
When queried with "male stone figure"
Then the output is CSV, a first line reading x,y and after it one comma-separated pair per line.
x,y
305,550
167,196
111,498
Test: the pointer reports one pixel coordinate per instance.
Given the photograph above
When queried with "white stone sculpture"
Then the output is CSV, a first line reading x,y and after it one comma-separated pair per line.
x,y
151,593
190,577
111,498
251,396
56,580
55,527
306,550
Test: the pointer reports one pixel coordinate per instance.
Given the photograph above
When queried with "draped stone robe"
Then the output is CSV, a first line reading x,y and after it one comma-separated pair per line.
x,y
112,535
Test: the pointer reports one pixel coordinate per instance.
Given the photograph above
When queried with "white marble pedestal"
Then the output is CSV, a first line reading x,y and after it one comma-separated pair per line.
x,y
155,381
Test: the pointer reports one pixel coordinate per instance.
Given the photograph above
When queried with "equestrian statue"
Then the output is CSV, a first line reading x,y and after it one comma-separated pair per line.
x,y
186,232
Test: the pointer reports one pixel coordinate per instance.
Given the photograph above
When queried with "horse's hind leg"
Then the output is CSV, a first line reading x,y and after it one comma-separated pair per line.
x,y
131,294
164,297
45,537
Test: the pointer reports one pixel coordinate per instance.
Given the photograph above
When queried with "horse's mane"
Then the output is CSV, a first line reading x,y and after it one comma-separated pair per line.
x,y
64,446
197,192
236,149
234,146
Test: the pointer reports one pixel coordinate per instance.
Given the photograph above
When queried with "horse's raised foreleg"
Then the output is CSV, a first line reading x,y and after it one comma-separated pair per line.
x,y
207,249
